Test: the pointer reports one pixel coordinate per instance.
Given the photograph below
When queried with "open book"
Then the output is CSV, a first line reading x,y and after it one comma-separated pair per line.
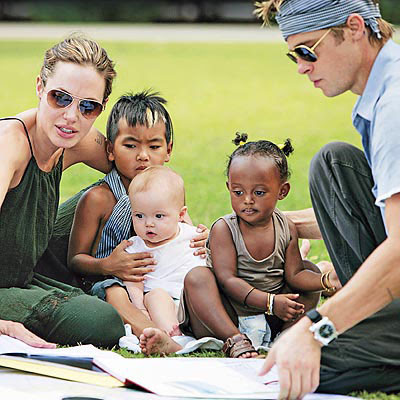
x,y
178,377
74,363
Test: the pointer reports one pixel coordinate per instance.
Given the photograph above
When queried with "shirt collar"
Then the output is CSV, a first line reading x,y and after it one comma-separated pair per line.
x,y
375,84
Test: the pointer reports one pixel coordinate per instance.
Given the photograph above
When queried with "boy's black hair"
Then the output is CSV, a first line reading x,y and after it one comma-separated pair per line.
x,y
144,108
263,148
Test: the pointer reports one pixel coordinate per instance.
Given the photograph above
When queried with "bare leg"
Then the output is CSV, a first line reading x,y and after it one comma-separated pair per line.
x,y
162,310
209,314
118,297
135,290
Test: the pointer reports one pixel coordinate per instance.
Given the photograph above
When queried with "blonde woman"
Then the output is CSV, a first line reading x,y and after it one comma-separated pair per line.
x,y
35,147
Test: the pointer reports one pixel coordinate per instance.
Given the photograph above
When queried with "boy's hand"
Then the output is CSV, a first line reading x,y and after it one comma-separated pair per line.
x,y
286,308
129,267
199,241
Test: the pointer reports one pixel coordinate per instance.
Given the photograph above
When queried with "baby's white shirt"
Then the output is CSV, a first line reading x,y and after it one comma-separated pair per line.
x,y
174,260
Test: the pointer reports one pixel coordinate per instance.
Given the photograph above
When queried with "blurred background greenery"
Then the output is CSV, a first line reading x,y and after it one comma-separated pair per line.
x,y
145,11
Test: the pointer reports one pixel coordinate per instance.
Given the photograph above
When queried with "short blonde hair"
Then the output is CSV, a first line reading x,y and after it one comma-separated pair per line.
x,y
162,178
80,50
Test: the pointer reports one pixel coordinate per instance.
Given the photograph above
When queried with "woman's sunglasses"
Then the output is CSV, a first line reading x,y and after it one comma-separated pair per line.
x,y
88,108
304,52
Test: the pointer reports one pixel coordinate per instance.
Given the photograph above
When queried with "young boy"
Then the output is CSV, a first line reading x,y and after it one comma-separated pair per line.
x,y
140,134
157,198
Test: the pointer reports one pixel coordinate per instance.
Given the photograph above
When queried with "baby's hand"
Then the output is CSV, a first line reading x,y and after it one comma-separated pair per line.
x,y
199,241
286,308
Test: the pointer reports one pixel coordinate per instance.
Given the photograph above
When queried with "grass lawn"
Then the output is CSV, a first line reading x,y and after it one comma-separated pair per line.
x,y
213,91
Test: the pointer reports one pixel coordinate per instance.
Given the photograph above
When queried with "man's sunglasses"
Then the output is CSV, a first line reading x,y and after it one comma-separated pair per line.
x,y
304,52
90,109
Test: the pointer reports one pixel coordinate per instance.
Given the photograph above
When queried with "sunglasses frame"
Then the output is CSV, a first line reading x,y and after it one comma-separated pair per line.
x,y
294,55
80,99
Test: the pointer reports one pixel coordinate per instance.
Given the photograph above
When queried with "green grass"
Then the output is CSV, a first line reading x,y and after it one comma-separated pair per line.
x,y
213,91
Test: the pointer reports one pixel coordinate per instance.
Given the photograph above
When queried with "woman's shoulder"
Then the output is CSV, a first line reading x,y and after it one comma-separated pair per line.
x,y
15,149
13,135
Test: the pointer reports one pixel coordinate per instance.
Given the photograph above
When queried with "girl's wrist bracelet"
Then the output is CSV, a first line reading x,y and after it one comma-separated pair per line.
x,y
247,295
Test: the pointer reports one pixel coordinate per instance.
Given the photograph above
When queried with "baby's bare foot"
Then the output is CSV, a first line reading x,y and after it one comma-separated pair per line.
x,y
155,341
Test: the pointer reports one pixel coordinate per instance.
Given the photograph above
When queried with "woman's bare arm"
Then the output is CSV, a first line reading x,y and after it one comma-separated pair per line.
x,y
91,150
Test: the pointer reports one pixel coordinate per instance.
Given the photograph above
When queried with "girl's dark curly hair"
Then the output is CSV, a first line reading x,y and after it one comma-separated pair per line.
x,y
263,148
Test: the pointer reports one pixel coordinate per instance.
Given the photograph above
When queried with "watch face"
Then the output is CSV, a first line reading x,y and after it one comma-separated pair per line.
x,y
326,331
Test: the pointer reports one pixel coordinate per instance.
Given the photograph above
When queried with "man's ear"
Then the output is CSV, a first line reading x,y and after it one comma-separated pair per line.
x,y
356,24
169,151
182,214
110,150
284,190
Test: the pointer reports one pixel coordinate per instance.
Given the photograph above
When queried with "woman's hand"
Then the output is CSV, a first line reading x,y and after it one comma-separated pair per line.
x,y
127,266
200,240
18,331
286,308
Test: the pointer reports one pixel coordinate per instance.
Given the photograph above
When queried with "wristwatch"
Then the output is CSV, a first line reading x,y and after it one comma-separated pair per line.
x,y
323,329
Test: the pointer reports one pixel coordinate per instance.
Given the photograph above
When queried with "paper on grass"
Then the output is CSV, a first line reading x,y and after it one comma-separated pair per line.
x,y
178,377
192,377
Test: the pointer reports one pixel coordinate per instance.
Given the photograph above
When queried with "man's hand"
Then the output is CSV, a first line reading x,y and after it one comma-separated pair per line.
x,y
286,308
129,267
18,331
297,356
199,241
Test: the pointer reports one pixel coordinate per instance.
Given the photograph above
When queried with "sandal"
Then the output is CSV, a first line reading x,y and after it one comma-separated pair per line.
x,y
237,345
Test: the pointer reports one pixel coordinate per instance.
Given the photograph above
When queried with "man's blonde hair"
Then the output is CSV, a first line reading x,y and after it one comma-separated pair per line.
x,y
80,50
163,179
266,10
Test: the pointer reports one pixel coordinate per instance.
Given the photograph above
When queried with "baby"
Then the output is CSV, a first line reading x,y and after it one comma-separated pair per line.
x,y
157,197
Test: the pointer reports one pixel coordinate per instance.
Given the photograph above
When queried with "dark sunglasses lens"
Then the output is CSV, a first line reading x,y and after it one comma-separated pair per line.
x,y
59,99
305,54
292,57
90,108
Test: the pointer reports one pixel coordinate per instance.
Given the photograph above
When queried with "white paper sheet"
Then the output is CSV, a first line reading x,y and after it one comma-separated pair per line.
x,y
212,378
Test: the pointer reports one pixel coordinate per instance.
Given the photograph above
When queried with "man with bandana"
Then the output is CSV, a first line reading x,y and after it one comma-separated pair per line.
x,y
352,342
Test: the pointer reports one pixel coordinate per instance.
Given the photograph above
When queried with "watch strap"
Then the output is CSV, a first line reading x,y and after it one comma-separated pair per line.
x,y
314,315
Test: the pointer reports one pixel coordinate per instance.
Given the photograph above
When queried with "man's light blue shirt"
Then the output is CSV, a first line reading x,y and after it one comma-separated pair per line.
x,y
376,116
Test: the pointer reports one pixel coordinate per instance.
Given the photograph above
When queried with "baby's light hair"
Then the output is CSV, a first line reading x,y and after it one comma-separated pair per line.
x,y
164,179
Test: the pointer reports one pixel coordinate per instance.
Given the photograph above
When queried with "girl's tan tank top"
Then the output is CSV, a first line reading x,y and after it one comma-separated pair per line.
x,y
267,274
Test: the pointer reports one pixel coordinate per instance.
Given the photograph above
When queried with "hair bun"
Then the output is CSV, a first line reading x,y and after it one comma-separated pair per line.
x,y
287,148
239,138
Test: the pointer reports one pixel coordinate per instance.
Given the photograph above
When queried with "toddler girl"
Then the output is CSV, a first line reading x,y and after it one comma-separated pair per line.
x,y
254,251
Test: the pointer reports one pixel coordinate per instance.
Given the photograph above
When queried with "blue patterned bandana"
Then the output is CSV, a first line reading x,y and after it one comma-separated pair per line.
x,y
297,16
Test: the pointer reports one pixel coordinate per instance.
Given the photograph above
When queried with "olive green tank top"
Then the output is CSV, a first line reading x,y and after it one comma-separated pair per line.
x,y
27,217
267,274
